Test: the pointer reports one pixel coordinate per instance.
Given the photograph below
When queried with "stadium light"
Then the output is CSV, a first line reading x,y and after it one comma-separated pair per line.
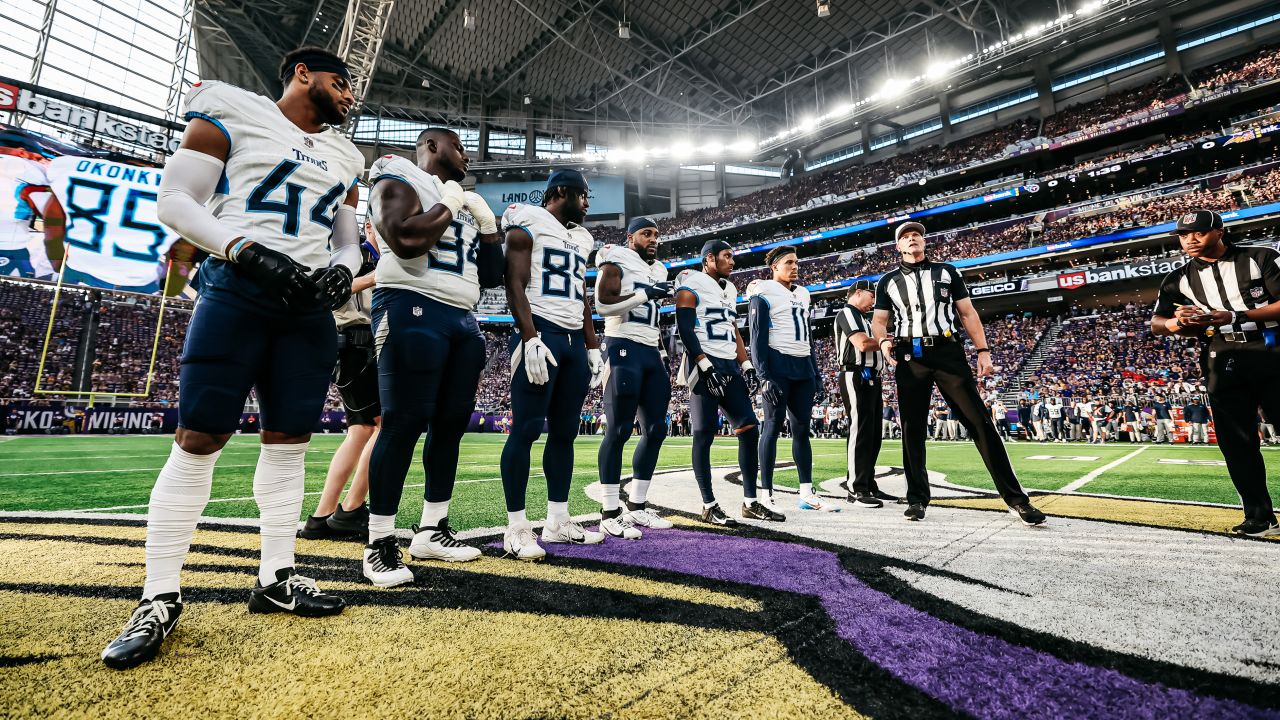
x,y
824,8
624,30
892,89
681,149
807,124
742,147
713,148
468,20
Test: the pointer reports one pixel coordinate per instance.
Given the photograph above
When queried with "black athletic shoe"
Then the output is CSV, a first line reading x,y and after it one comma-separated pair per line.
x,y
716,516
294,594
317,528
865,500
1257,528
882,495
140,641
915,511
354,523
758,511
1027,513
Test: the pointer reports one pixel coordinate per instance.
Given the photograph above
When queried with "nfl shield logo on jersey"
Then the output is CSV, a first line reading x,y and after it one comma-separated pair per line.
x,y
1255,293
417,311
308,142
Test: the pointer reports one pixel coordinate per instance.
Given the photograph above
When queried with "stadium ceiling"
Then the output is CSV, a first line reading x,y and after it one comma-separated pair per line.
x,y
742,65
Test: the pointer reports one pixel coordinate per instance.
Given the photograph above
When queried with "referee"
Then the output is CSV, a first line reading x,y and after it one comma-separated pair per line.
x,y
1227,296
860,365
926,299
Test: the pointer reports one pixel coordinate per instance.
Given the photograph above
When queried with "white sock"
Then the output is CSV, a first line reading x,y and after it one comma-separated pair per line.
x,y
557,512
278,486
381,526
433,513
708,506
806,490
610,501
639,491
517,519
177,499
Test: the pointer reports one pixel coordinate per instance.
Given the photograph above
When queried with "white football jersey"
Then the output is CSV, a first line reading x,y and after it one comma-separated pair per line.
x,y
641,322
788,317
281,185
447,273
717,310
15,214
557,279
113,233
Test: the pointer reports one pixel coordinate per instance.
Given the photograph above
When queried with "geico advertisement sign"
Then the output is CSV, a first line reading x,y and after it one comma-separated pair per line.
x,y
1112,273
25,101
996,288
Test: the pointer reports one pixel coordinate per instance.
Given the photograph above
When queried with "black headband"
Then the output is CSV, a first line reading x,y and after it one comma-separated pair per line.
x,y
317,62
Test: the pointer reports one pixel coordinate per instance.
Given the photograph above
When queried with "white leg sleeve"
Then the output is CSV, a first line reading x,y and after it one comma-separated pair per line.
x,y
277,486
179,496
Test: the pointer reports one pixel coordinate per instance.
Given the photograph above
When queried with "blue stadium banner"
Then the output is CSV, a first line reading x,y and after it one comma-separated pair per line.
x,y
608,194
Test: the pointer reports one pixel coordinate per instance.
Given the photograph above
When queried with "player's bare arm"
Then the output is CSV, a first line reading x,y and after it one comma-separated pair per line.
x,y
880,329
519,257
398,215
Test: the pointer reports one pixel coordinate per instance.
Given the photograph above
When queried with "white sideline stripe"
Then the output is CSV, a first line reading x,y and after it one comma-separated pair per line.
x,y
125,470
1093,474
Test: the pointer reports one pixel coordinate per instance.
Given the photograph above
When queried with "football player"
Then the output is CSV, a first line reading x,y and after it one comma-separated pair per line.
x,y
280,227
629,286
781,349
440,245
555,356
719,375
356,376
24,190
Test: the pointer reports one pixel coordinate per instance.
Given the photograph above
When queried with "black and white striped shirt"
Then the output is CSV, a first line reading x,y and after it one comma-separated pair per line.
x,y
922,297
1242,279
849,322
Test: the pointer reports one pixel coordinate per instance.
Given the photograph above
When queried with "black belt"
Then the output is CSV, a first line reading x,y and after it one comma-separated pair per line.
x,y
358,336
1240,337
926,341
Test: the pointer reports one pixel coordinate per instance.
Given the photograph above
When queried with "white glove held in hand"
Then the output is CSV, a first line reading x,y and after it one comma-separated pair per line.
x,y
479,209
453,197
536,355
595,361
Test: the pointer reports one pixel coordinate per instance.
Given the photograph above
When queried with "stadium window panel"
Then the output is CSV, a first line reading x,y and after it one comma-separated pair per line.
x,y
770,172
699,168
1108,66
834,157
884,140
922,128
1230,26
553,146
502,142
593,149
986,107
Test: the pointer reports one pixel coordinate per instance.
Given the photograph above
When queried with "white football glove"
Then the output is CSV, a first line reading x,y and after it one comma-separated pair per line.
x,y
453,197
479,209
595,361
535,355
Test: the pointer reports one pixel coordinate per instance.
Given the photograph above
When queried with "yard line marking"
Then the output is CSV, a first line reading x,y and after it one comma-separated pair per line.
x,y
1093,474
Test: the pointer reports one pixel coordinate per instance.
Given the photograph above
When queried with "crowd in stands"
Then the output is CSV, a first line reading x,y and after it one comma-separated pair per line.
x,y
126,332
1252,68
24,317
1083,116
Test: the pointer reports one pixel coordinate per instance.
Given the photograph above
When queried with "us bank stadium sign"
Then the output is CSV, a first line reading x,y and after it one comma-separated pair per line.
x,y
87,120
1111,273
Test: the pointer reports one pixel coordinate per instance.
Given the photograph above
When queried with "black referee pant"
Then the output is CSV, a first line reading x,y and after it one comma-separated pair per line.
x,y
945,365
864,406
1243,376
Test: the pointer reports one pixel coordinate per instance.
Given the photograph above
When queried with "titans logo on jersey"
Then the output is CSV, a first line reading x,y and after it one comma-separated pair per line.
x,y
558,277
717,313
640,323
448,272
114,238
788,318
281,185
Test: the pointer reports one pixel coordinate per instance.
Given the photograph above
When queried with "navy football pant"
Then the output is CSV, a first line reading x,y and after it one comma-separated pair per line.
x,y
430,357
557,405
797,406
286,358
638,385
703,418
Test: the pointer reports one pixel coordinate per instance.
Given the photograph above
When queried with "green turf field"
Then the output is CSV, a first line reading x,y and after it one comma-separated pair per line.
x,y
116,473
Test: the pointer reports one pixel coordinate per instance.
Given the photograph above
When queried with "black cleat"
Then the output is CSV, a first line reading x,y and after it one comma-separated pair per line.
x,y
886,497
915,511
354,523
317,528
140,641
759,511
294,594
1027,513
1257,528
864,500
716,516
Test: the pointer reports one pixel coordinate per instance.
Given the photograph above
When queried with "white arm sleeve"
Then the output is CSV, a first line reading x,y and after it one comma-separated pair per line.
x,y
186,184
637,299
344,242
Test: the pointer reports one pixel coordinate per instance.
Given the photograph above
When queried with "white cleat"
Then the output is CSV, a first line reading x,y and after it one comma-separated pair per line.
x,y
382,564
570,532
439,543
620,527
644,517
521,542
813,502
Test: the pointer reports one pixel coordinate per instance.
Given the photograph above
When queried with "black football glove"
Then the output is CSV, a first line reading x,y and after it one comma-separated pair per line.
x,y
717,383
333,286
278,273
772,393
657,291
752,379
